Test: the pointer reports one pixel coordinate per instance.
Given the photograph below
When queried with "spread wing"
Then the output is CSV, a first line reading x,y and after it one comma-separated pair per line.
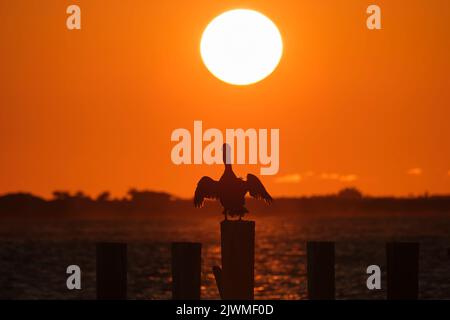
x,y
256,189
206,188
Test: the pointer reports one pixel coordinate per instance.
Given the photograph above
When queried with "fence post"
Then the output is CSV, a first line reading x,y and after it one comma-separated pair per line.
x,y
186,270
402,270
111,271
321,275
238,259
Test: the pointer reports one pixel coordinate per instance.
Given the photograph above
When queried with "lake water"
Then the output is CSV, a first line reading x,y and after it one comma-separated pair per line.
x,y
34,256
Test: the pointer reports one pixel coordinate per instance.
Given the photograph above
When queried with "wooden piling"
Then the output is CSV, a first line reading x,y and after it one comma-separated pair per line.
x,y
321,274
111,271
186,270
402,271
217,271
238,259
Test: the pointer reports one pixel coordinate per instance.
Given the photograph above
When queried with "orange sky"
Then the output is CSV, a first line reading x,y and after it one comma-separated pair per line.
x,y
93,109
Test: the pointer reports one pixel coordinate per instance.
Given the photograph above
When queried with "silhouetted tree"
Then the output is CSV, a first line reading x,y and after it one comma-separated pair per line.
x,y
149,200
350,193
61,195
104,196
15,204
80,195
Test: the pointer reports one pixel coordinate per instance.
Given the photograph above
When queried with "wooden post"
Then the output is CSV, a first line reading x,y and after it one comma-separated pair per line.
x,y
321,276
217,271
111,271
238,259
402,271
186,270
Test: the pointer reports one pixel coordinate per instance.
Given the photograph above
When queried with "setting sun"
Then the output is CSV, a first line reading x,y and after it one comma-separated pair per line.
x,y
241,47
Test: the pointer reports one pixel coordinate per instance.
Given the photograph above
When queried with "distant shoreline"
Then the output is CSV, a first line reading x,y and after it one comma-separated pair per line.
x,y
143,204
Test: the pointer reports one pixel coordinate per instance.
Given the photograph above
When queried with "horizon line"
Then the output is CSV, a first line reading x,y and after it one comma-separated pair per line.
x,y
425,194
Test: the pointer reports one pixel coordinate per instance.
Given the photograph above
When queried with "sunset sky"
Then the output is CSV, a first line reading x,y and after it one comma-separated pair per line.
x,y
94,109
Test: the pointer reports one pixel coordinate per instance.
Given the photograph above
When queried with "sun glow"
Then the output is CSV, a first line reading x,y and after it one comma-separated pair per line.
x,y
241,46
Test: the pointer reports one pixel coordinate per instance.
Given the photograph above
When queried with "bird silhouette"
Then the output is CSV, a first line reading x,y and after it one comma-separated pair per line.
x,y
230,189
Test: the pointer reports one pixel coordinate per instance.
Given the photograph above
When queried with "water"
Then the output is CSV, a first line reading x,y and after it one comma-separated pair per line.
x,y
34,256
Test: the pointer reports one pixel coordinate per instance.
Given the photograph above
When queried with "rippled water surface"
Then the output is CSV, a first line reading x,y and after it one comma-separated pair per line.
x,y
34,256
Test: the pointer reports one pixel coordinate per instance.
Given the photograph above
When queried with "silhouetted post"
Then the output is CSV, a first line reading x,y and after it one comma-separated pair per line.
x,y
186,270
217,271
321,277
402,271
111,271
238,260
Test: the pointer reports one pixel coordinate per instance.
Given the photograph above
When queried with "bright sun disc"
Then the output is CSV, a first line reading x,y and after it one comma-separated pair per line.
x,y
241,46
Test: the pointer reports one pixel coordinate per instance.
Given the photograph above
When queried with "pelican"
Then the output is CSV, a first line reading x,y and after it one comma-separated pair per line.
x,y
230,189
